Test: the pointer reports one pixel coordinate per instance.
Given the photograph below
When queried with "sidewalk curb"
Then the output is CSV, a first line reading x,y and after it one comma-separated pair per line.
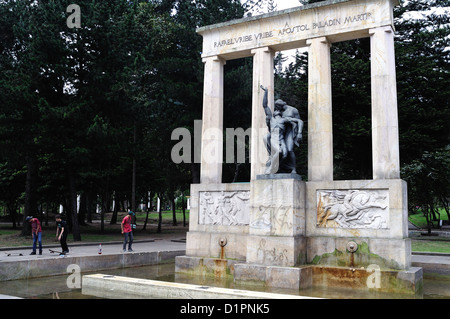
x,y
428,253
77,244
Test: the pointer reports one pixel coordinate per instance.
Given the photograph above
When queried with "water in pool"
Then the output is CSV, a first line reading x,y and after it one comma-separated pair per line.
x,y
56,287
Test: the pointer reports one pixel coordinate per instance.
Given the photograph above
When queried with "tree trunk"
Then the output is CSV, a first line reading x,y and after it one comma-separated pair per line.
x,y
92,205
102,215
11,208
83,209
105,200
115,210
427,217
174,210
73,207
159,215
133,178
149,207
30,193
184,210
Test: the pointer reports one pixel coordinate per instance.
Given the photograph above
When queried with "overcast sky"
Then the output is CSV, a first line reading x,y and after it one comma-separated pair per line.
x,y
285,4
281,5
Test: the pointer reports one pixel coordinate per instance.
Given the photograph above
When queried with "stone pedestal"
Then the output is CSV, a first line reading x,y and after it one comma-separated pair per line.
x,y
371,213
277,221
218,212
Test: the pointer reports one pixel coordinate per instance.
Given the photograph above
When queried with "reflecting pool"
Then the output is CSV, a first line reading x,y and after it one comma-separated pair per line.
x,y
56,287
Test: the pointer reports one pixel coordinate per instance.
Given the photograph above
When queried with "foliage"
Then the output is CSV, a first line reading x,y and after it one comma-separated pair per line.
x,y
428,184
90,110
423,55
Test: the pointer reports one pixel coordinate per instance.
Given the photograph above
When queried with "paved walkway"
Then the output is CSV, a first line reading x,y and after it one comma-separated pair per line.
x,y
81,250
432,263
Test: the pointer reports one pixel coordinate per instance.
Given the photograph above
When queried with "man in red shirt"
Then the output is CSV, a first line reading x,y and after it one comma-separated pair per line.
x,y
36,232
127,231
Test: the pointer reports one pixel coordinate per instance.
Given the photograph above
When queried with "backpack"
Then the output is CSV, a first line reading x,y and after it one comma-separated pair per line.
x,y
133,221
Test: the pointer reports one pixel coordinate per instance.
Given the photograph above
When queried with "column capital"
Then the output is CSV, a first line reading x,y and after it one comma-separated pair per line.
x,y
262,49
214,58
387,29
320,39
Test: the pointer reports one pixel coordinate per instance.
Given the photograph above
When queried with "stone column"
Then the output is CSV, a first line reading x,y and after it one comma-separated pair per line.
x,y
385,143
212,125
320,129
263,74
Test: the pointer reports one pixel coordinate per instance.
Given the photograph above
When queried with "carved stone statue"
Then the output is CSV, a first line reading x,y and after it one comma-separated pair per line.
x,y
285,130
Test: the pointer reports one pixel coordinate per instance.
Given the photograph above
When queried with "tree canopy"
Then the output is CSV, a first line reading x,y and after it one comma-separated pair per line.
x,y
89,111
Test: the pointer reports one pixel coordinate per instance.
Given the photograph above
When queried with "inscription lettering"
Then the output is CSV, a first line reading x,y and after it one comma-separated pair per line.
x,y
358,17
263,35
289,30
245,38
298,28
328,23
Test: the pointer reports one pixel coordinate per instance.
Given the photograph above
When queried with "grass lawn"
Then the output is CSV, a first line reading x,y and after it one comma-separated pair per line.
x,y
436,246
420,221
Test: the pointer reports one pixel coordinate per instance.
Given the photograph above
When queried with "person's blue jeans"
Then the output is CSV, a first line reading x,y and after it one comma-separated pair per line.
x,y
39,239
125,240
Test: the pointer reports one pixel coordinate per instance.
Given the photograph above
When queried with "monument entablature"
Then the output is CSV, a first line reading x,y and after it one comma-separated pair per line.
x,y
338,20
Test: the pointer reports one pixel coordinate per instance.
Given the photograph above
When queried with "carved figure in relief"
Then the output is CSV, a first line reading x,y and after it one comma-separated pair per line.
x,y
230,214
352,209
206,204
223,208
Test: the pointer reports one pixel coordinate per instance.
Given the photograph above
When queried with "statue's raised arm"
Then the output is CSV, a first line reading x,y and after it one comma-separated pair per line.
x,y
266,106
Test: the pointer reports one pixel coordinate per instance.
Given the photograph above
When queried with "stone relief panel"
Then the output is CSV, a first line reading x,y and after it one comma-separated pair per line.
x,y
353,208
224,208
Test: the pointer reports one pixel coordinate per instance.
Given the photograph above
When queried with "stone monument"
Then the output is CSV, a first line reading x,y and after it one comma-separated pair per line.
x,y
279,230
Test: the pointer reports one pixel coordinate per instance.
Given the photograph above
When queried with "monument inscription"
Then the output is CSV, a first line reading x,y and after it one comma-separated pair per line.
x,y
288,30
338,20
